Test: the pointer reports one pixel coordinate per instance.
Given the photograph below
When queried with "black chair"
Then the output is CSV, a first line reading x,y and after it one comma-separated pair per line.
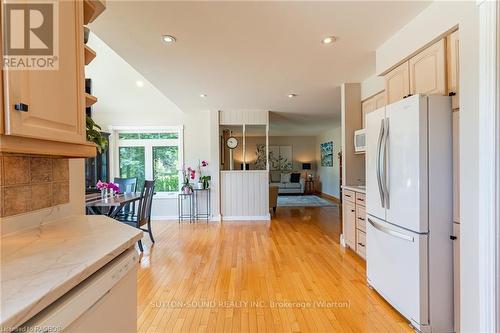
x,y
143,216
127,185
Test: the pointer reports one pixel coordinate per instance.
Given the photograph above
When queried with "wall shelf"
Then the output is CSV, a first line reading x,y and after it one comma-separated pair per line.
x,y
89,55
92,9
90,100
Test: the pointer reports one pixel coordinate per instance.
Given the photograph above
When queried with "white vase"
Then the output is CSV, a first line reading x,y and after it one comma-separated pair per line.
x,y
199,185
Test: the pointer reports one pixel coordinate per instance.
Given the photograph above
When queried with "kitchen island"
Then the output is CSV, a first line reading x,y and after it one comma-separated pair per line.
x,y
41,264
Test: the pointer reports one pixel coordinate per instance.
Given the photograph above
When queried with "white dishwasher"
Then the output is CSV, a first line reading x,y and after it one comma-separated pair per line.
x,y
104,302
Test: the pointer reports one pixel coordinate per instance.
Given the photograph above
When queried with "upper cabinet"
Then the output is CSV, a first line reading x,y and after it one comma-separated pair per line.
x,y
42,111
424,73
428,70
397,83
49,104
453,62
371,104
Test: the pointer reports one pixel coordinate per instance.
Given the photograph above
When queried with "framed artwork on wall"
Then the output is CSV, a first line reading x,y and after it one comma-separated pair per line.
x,y
280,158
326,151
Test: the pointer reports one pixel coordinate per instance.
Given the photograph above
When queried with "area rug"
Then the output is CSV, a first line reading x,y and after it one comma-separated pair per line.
x,y
303,201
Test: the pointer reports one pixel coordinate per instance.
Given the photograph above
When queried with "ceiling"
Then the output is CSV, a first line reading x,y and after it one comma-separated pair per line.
x,y
251,55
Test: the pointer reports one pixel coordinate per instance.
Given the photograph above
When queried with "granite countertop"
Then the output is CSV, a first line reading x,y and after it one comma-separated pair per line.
x,y
355,188
39,265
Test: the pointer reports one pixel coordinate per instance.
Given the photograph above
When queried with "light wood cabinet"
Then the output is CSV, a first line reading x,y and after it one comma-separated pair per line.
x,y
51,120
397,83
55,101
371,104
349,228
428,70
353,222
453,67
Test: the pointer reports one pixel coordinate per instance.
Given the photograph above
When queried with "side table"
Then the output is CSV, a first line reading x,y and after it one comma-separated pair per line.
x,y
181,198
309,187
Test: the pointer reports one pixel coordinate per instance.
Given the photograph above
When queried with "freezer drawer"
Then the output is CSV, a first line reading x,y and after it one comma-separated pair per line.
x,y
397,268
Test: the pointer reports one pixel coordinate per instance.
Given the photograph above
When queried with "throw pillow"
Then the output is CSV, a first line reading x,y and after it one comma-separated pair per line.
x,y
295,178
285,177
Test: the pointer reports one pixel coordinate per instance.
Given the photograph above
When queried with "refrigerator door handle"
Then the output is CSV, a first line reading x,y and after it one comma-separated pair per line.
x,y
379,177
390,231
384,164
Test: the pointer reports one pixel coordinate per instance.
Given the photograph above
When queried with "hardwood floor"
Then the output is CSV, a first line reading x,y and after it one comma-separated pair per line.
x,y
287,275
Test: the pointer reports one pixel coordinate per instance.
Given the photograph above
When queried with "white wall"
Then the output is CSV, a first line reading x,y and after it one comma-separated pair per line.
x,y
329,177
435,20
121,102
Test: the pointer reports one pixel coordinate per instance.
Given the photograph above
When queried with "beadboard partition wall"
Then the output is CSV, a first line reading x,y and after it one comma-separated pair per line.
x,y
244,195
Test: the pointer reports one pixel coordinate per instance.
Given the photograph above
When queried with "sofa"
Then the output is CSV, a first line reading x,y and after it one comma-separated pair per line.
x,y
287,182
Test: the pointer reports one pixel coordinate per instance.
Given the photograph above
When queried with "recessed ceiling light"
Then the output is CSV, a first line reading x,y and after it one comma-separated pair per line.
x,y
329,40
169,39
203,95
292,95
139,83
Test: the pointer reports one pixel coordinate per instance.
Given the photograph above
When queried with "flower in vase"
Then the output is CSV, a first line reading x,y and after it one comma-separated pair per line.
x,y
204,163
114,187
101,185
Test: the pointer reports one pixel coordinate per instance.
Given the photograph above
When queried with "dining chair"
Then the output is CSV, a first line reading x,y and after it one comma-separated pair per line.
x,y
143,216
127,185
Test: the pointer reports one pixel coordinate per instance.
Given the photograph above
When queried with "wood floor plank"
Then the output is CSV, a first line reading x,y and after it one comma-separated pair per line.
x,y
286,275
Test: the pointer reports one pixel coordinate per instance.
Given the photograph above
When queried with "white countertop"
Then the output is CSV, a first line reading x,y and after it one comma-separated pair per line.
x,y
39,265
355,188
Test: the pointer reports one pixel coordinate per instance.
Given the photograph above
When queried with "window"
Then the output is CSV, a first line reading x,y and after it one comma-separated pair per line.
x,y
150,154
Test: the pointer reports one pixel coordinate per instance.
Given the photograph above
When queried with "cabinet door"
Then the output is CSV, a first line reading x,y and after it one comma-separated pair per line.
x,y
428,70
349,228
397,83
453,64
380,99
456,166
367,107
55,98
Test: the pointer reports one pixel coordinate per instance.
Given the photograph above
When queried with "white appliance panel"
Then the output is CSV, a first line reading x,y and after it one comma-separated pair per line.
x,y
406,164
374,122
397,267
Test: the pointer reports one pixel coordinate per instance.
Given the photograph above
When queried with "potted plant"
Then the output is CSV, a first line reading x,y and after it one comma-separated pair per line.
x,y
94,134
204,180
187,175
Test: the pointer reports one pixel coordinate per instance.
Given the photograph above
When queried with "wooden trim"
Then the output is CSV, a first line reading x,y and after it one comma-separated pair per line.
x,y
89,55
329,197
92,9
489,163
21,145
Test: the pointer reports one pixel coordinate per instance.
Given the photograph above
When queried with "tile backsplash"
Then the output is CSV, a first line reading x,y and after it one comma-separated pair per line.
x,y
29,183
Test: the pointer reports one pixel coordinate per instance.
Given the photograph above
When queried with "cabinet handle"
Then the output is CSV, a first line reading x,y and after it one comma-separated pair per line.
x,y
21,107
405,96
360,218
359,199
409,95
452,93
363,245
453,237
352,210
347,195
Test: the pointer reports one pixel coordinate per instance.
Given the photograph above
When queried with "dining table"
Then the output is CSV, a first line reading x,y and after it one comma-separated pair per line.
x,y
109,205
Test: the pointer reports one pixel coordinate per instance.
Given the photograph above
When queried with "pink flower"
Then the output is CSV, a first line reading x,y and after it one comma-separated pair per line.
x,y
101,185
204,163
114,187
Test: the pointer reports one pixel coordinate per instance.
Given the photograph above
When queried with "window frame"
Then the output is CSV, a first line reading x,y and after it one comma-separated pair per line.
x,y
115,143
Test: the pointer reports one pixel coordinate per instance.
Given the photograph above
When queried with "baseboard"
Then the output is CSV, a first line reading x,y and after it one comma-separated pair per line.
x,y
331,197
247,218
164,218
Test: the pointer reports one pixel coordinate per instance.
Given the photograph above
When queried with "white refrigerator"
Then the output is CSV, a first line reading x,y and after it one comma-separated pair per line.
x,y
409,185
